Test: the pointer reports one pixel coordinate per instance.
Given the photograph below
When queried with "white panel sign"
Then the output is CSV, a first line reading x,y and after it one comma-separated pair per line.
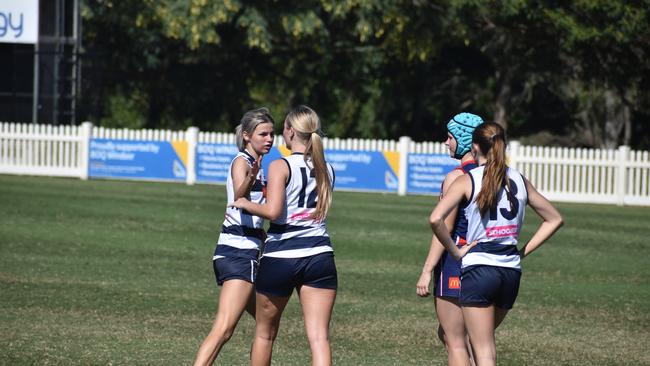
x,y
18,21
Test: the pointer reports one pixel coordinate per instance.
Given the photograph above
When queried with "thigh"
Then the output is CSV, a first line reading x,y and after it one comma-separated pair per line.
x,y
234,297
317,305
480,322
450,317
268,312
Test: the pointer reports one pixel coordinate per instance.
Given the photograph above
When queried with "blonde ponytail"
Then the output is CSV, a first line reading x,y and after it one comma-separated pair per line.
x,y
323,183
307,126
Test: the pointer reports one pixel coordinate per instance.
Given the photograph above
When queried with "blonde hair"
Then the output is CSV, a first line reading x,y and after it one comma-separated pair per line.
x,y
306,124
249,123
491,140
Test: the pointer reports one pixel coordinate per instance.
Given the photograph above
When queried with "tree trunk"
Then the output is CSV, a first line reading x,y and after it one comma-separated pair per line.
x,y
617,121
504,93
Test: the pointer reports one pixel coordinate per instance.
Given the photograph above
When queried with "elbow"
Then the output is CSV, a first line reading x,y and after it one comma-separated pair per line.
x,y
435,220
558,222
273,215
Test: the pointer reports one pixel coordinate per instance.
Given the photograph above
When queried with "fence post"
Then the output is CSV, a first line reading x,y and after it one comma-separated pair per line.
x,y
192,138
84,156
622,156
403,148
513,150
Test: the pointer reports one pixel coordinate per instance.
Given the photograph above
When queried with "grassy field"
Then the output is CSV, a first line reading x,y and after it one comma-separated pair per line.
x,y
107,272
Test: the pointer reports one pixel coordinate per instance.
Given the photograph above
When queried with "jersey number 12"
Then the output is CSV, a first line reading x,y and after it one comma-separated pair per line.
x,y
311,199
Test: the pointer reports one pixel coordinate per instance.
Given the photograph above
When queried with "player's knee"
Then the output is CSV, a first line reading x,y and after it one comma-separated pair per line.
x,y
318,337
223,332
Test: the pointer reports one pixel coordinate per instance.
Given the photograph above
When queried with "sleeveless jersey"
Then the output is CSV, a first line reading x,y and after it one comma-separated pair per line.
x,y
242,233
460,225
294,234
496,232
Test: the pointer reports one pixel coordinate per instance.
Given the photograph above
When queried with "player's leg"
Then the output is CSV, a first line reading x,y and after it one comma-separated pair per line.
x,y
317,292
480,321
235,296
450,317
274,287
267,322
317,305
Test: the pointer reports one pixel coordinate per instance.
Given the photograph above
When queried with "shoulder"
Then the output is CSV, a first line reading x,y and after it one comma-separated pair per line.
x,y
241,162
451,178
279,164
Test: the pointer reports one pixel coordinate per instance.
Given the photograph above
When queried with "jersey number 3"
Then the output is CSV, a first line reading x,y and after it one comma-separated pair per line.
x,y
514,205
311,199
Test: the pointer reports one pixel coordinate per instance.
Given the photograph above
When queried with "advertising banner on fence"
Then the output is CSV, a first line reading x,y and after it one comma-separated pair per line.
x,y
355,170
426,172
150,160
365,170
213,161
19,21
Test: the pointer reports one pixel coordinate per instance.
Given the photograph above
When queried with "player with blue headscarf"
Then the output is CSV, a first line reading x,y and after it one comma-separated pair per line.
x,y
447,270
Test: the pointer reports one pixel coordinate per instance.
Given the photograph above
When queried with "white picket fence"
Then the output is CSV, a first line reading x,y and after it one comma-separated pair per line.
x,y
618,176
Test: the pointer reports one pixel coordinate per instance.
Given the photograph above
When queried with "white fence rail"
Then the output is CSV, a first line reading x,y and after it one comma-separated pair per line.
x,y
620,176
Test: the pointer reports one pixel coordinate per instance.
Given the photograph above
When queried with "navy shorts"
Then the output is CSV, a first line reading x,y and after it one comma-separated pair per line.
x,y
279,276
446,276
489,285
231,268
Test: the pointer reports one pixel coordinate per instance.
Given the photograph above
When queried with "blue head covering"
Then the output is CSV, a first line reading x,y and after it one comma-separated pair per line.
x,y
461,127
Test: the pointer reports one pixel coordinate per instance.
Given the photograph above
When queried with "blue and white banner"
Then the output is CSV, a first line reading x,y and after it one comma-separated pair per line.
x,y
355,170
19,21
151,160
364,170
426,172
213,162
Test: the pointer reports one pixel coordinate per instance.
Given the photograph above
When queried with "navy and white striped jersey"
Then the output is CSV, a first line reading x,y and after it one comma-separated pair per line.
x,y
242,233
294,234
496,232
460,225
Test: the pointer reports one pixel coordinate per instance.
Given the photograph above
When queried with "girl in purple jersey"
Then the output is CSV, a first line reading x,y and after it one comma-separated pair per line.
x,y
451,329
496,197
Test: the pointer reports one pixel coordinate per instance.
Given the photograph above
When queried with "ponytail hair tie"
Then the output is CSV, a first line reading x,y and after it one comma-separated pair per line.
x,y
493,137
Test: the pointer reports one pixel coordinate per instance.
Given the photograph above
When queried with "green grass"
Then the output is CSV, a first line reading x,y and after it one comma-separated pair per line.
x,y
107,272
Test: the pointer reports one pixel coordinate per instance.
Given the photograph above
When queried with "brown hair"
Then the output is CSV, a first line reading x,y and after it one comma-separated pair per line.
x,y
307,126
491,140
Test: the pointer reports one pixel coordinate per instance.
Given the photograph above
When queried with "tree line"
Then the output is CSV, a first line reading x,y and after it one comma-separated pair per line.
x,y
551,72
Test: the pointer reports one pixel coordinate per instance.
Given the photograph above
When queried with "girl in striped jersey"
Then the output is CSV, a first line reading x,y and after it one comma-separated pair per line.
x,y
235,257
451,330
298,253
496,198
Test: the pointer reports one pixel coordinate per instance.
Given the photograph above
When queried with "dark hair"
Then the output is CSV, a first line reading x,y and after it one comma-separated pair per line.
x,y
491,140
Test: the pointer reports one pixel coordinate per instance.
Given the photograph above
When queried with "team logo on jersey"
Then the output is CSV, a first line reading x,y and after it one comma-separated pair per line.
x,y
502,231
454,283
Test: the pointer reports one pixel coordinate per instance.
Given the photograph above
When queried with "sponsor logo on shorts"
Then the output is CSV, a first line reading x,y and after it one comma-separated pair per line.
x,y
454,283
502,231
